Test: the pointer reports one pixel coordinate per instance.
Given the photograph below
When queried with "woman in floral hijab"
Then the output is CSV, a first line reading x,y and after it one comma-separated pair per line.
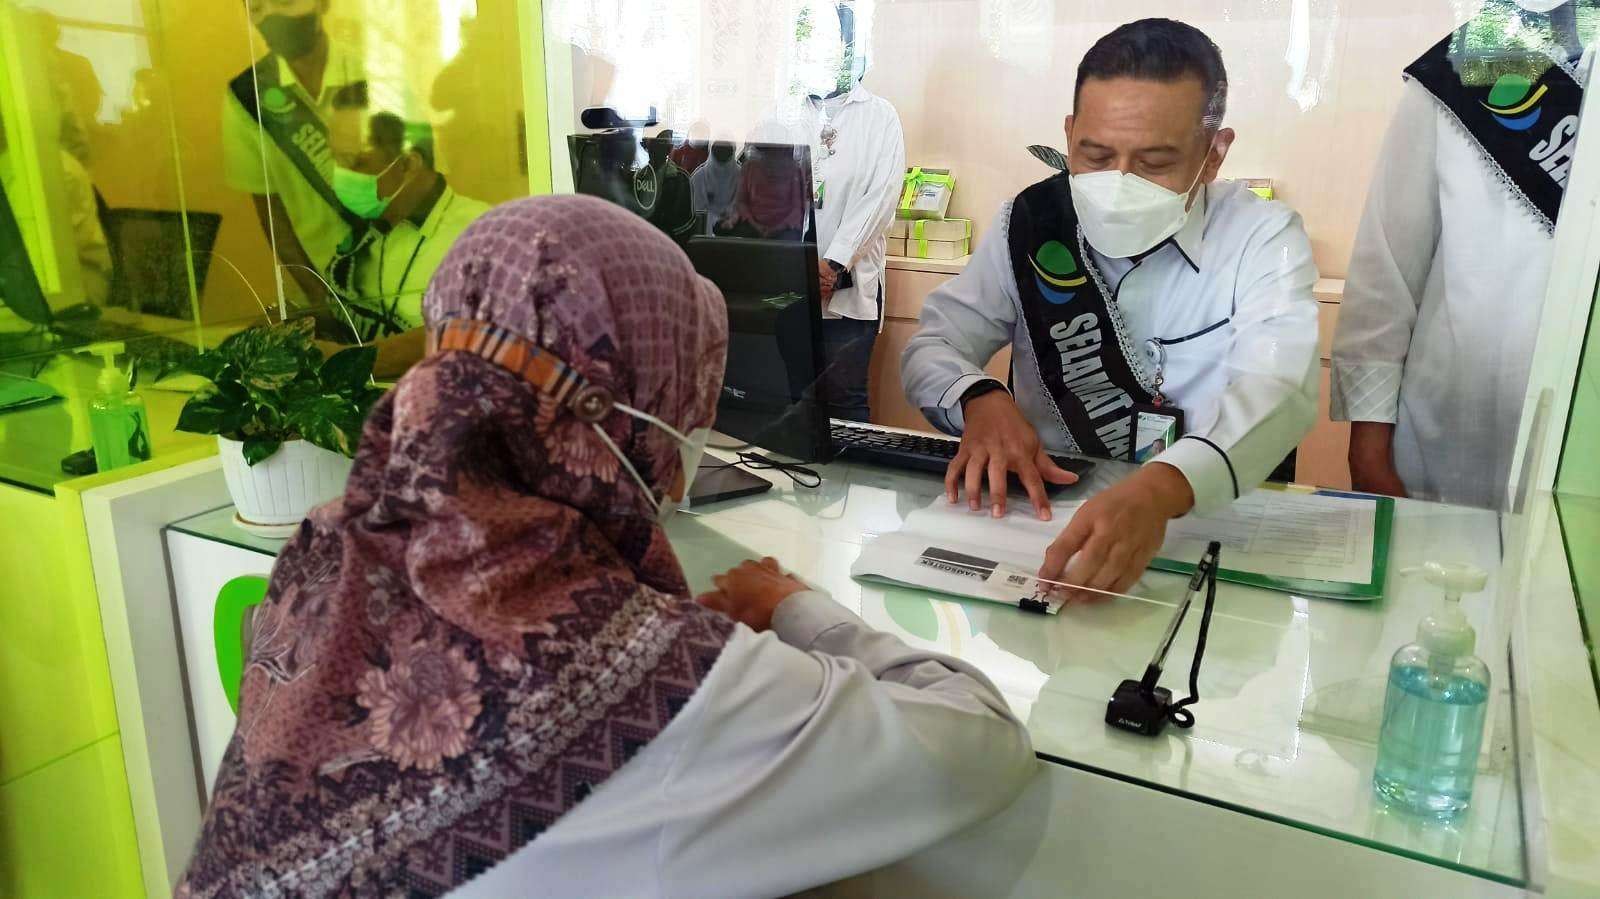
x,y
491,628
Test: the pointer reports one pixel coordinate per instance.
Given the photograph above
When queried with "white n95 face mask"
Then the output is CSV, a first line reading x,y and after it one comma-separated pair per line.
x,y
690,448
1124,215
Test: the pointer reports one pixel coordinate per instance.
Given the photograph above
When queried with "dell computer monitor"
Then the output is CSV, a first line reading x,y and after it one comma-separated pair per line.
x,y
763,259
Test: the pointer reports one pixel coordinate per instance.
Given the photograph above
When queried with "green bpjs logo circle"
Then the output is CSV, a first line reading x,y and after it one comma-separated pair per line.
x,y
1514,102
1056,273
276,101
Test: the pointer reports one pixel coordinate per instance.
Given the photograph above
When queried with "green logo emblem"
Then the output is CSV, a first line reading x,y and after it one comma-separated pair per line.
x,y
275,101
1514,101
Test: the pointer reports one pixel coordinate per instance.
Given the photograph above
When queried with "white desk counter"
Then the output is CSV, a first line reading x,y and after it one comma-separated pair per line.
x,y
1271,788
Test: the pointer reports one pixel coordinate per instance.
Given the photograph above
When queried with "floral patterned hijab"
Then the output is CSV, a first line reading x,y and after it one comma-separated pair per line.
x,y
489,622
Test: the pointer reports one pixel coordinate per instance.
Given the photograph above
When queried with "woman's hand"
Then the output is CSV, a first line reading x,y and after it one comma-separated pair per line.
x,y
751,592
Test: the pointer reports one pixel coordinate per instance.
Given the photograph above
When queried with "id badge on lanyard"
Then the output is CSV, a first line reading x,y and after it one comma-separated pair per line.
x,y
1157,424
820,154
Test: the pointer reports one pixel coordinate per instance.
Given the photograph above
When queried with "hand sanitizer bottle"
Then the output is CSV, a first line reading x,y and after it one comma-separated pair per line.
x,y
1433,714
119,428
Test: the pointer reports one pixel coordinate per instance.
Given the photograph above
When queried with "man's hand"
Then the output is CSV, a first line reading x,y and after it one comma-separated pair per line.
x,y
750,593
1372,459
998,439
1114,535
826,278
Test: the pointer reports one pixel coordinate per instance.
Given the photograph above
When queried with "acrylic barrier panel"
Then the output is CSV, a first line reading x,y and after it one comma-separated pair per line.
x,y
369,138
1323,251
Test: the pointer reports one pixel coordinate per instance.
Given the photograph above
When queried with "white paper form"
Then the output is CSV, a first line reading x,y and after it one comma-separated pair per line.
x,y
1272,533
1284,535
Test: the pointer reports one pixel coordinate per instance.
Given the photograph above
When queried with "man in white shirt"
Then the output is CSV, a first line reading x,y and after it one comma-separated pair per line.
x,y
284,121
1447,278
1131,285
858,160
418,217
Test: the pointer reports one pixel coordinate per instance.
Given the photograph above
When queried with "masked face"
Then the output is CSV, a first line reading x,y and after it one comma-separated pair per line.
x,y
1124,215
721,151
291,37
358,191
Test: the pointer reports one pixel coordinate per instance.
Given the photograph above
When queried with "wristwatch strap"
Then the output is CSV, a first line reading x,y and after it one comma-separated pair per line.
x,y
988,385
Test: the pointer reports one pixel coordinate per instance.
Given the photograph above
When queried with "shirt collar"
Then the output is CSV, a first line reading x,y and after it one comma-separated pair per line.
x,y
856,94
1187,240
336,73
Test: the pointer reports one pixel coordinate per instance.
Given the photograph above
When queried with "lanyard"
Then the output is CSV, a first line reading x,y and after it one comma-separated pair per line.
x,y
405,274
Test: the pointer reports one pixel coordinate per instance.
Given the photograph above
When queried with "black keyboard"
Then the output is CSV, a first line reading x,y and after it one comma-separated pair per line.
x,y
923,452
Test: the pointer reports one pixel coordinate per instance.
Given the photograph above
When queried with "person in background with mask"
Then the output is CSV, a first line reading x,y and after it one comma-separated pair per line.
x,y
480,672
1131,282
714,183
416,217
858,162
1447,278
304,100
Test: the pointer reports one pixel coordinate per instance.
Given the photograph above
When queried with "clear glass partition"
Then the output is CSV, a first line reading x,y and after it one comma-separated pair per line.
x,y
1298,242
174,171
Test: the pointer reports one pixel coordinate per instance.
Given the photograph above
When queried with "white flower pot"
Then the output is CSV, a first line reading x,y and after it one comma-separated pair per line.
x,y
282,488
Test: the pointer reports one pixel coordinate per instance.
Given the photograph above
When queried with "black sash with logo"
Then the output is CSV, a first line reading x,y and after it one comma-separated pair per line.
x,y
1090,367
302,134
1519,106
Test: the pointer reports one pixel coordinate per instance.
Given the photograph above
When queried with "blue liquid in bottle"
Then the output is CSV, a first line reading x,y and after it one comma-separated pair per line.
x,y
1433,719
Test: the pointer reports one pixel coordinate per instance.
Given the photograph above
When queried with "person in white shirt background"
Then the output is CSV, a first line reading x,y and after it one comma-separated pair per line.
x,y
416,216
310,88
858,160
1447,278
1132,279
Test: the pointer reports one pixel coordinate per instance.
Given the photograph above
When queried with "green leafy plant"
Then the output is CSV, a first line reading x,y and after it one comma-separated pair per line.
x,y
270,384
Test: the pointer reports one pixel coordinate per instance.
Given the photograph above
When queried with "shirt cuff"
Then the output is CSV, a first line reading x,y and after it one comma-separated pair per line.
x,y
950,400
1364,391
802,618
1208,470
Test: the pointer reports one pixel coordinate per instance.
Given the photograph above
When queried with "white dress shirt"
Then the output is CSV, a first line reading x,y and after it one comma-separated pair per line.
x,y
811,753
1441,308
1230,298
394,272
314,221
858,166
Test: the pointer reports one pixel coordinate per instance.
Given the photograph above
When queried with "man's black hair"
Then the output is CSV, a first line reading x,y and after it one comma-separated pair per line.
x,y
1159,50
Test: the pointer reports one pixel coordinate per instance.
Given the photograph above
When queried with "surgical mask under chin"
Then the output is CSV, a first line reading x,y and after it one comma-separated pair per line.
x,y
358,191
291,37
1124,215
690,448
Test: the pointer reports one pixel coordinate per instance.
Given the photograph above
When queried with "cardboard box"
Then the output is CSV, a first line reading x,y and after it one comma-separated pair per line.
x,y
897,246
938,249
947,239
926,194
1261,187
901,229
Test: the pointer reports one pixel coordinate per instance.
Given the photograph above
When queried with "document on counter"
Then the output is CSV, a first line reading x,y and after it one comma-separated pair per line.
x,y
1317,544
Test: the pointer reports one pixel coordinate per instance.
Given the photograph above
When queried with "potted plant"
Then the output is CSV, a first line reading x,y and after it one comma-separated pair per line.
x,y
287,420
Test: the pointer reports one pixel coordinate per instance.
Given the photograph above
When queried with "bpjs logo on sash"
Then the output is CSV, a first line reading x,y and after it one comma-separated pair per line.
x,y
1057,274
1516,103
